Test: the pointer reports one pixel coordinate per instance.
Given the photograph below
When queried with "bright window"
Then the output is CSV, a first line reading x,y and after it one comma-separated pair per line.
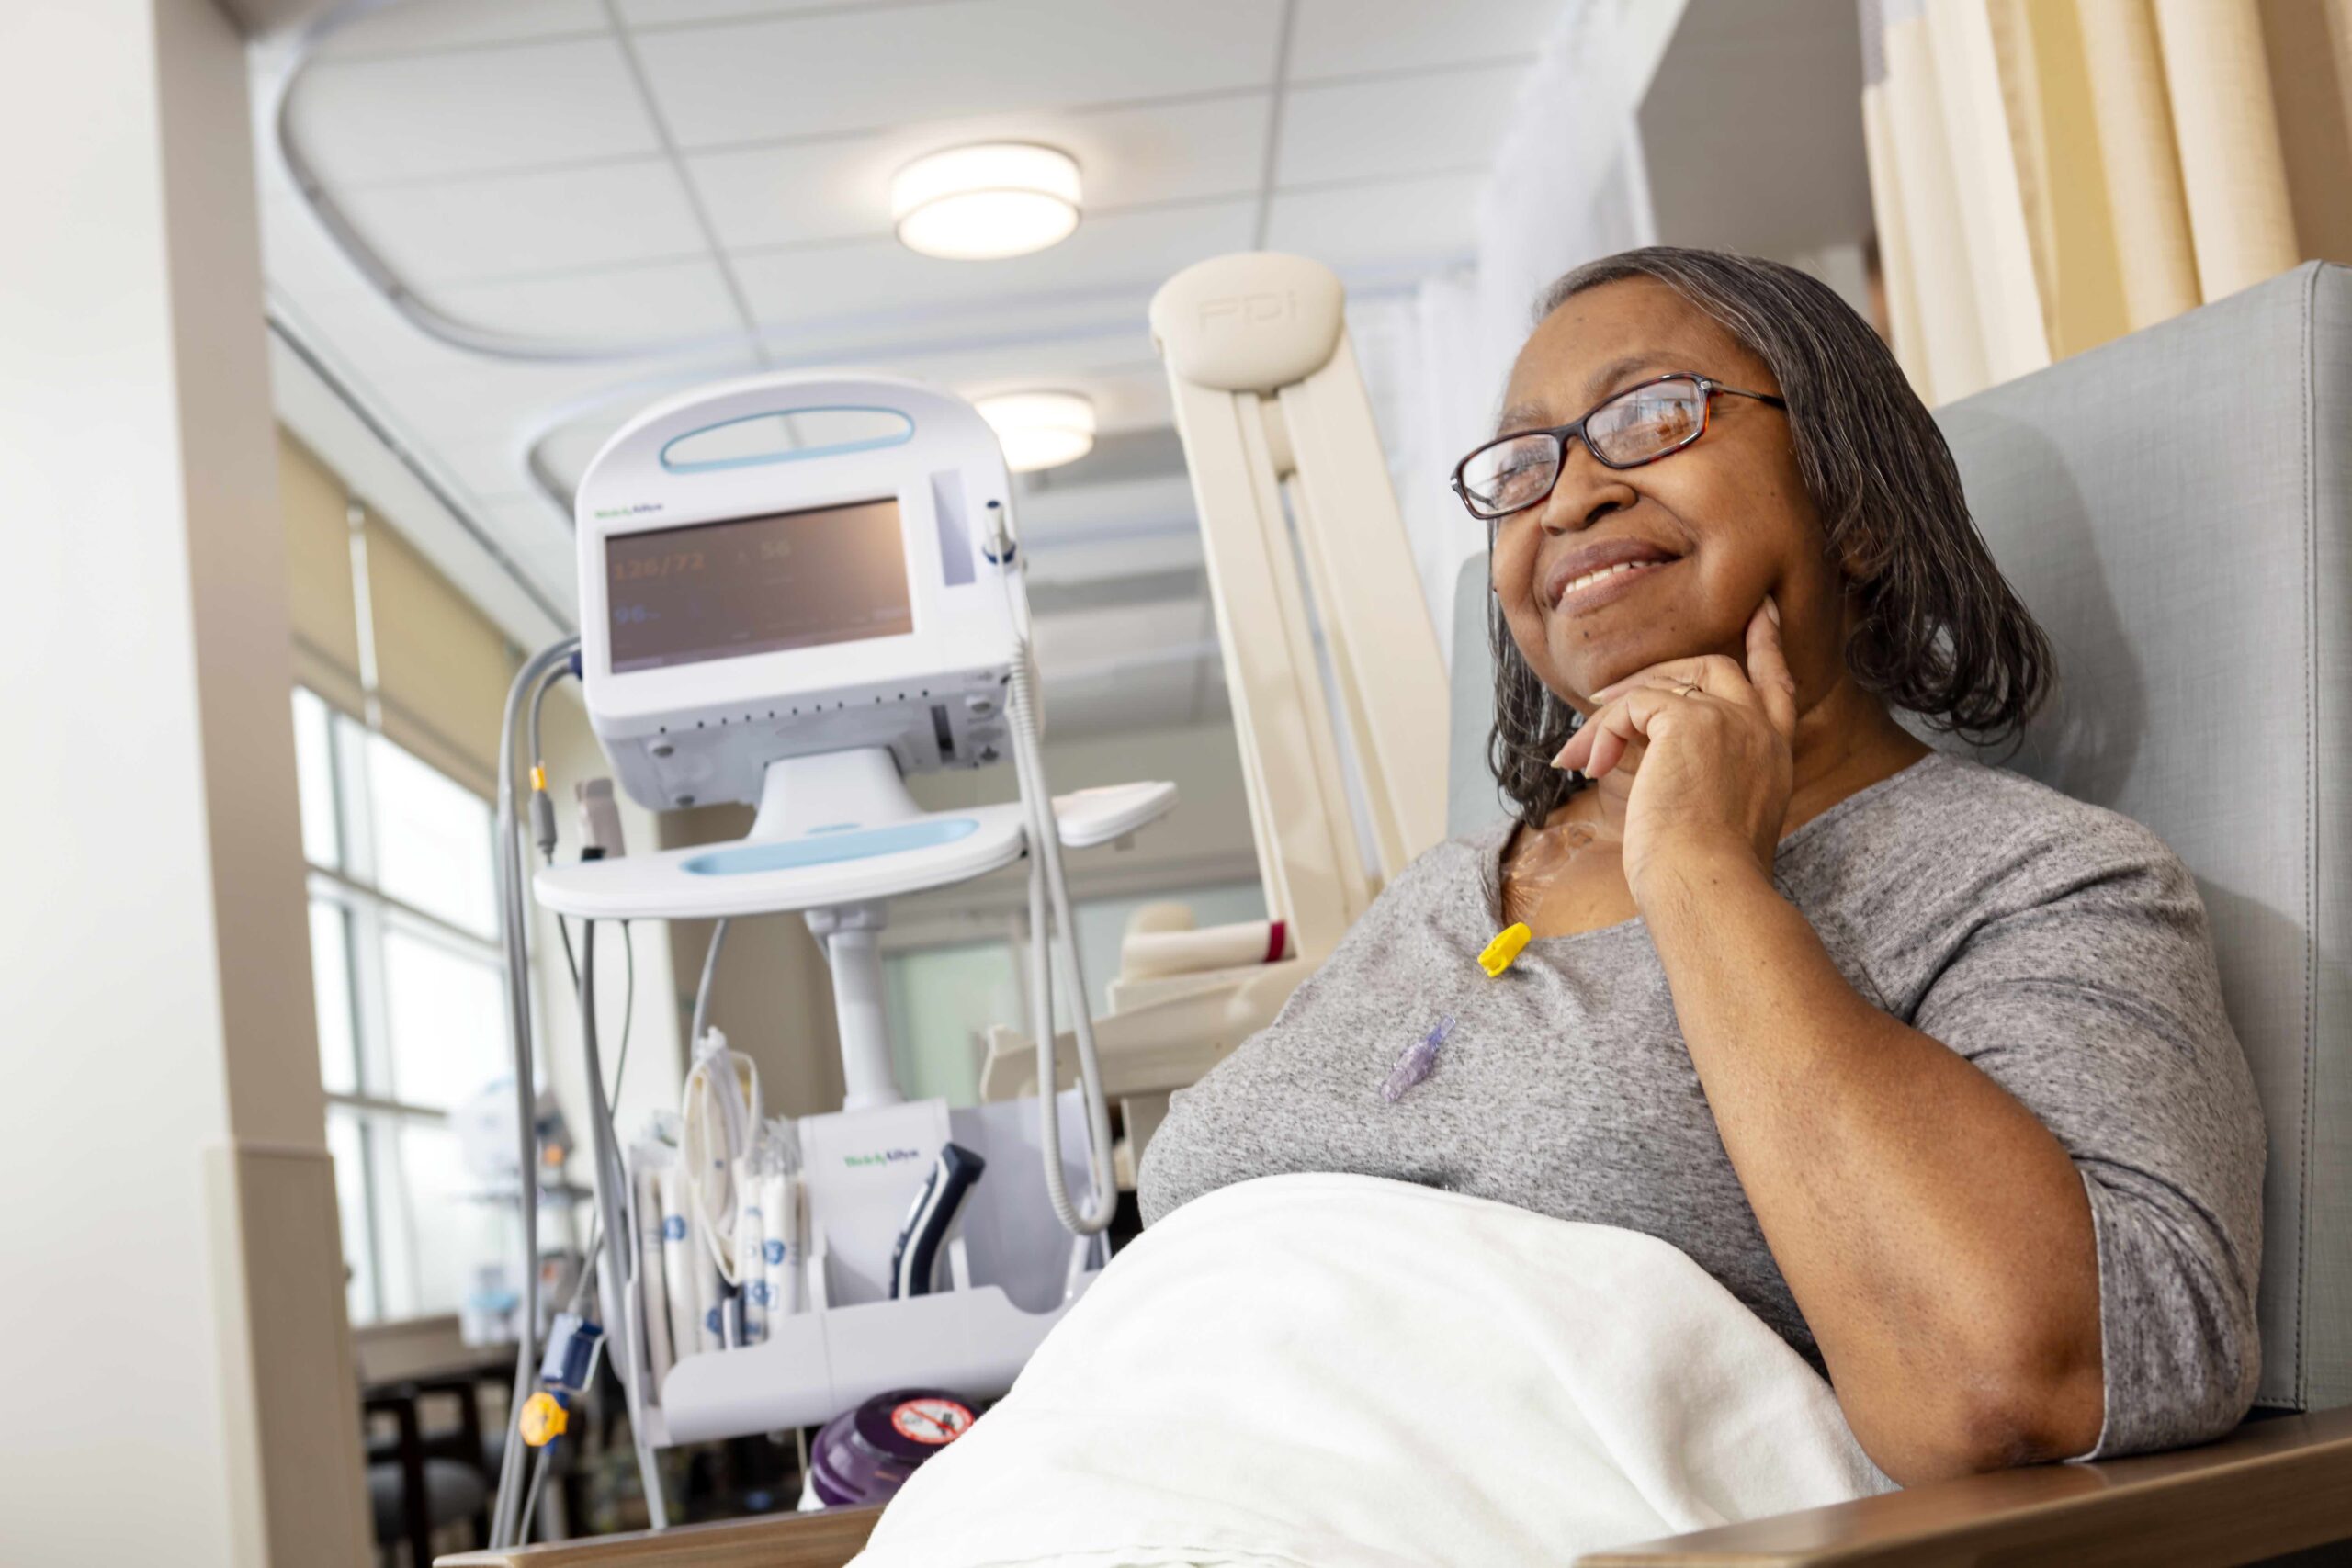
x,y
411,995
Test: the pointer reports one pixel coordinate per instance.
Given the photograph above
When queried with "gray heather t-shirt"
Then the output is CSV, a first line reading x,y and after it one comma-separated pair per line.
x,y
2058,946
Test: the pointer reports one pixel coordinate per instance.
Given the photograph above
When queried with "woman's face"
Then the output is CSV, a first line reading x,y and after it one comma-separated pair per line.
x,y
1726,518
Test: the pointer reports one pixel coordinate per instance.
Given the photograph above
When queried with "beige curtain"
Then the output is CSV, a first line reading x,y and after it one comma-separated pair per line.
x,y
382,634
320,603
2051,174
441,668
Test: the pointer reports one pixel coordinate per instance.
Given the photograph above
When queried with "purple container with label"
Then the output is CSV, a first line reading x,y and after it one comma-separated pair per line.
x,y
865,1455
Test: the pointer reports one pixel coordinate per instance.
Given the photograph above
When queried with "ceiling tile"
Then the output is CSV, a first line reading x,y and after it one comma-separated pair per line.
x,y
1127,400
880,289
1397,126
495,397
468,229
1013,342
665,13
865,69
417,25
1395,222
364,336
564,454
1135,399
505,166
832,190
538,537
297,254
1121,350
839,188
488,470
1340,37
1116,370
653,302
363,331
416,117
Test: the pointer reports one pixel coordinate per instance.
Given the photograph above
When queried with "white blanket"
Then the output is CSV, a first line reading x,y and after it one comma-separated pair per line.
x,y
1338,1370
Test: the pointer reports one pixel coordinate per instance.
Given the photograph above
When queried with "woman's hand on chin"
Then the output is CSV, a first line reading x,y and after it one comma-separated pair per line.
x,y
1716,763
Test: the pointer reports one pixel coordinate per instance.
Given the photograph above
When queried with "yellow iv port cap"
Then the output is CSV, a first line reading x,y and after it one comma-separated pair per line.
x,y
1503,949
544,1419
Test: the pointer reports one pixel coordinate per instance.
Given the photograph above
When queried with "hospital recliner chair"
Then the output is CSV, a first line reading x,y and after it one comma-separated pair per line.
x,y
2176,509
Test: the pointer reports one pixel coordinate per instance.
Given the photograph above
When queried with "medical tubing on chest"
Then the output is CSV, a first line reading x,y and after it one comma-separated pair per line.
x,y
510,869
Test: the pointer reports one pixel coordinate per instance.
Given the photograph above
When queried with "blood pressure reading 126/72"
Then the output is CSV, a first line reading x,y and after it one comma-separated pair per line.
x,y
757,585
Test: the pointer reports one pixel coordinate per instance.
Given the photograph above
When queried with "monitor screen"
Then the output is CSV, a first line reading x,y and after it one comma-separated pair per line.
x,y
757,585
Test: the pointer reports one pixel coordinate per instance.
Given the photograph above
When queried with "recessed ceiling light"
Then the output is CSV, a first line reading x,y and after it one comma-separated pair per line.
x,y
1040,430
990,200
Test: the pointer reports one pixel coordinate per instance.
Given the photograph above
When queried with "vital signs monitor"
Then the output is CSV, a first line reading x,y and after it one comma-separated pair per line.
x,y
798,591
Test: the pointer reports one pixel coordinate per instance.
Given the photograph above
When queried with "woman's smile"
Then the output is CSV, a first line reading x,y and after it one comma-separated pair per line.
x,y
1604,585
1598,572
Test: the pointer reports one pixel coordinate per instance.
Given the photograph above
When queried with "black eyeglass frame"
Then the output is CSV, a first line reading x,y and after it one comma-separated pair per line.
x,y
1562,433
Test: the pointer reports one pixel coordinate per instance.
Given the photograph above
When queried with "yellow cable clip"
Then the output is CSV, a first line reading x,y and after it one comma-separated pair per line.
x,y
1504,949
544,1419
539,779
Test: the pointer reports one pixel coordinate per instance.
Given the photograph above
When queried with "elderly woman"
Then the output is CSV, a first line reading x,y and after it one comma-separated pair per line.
x,y
1925,1062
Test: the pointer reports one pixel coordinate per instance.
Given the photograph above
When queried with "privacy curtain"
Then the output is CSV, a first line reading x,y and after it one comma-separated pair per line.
x,y
2051,174
1568,184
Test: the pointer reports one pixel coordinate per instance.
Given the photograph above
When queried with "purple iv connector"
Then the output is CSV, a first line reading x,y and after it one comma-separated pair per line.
x,y
1415,1064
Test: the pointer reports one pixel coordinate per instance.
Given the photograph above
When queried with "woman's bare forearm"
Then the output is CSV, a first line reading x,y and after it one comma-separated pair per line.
x,y
1935,1235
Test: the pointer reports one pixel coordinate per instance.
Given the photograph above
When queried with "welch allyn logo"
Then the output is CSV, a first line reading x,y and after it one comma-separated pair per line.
x,y
882,1157
638,510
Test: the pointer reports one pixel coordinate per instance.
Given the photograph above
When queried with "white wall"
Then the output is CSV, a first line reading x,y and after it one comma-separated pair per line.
x,y
176,1312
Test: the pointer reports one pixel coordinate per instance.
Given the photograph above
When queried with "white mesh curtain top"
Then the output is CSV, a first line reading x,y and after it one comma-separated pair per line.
x,y
1567,185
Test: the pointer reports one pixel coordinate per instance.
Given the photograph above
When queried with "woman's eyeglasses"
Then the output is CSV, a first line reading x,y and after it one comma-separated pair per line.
x,y
1638,426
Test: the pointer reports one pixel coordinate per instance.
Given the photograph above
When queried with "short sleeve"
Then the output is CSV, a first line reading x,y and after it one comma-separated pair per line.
x,y
2095,1003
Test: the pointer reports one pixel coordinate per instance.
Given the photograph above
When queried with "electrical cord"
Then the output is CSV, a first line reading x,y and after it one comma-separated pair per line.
x,y
628,998
511,1515
629,1008
531,1494
1047,883
543,805
612,1181
514,940
702,991
544,829
620,1073
712,1085
719,1111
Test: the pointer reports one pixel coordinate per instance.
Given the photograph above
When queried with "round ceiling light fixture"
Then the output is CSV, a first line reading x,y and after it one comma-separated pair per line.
x,y
987,200
1040,430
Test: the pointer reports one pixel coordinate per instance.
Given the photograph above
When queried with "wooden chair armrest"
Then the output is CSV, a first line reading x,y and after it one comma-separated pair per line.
x,y
826,1539
2273,1486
